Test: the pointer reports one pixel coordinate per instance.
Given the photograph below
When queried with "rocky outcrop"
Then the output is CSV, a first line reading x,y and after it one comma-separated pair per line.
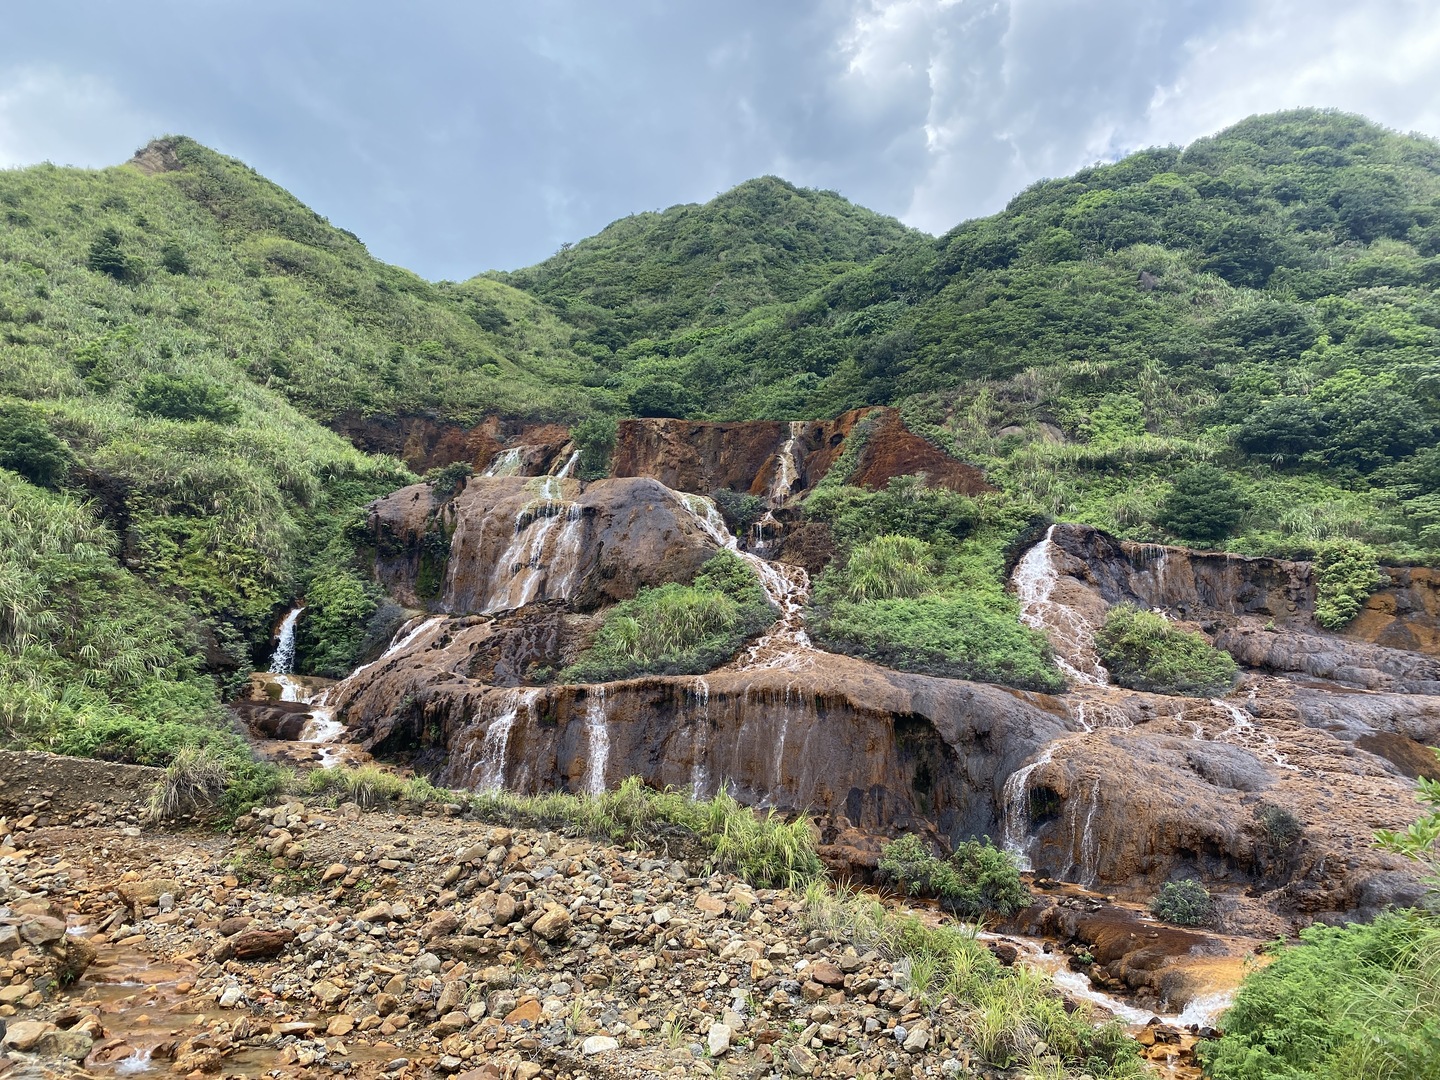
x,y
756,456
858,745
1103,786
423,442
506,542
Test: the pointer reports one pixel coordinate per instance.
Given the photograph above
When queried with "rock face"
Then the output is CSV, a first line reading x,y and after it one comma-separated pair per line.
x,y
1272,792
507,542
760,456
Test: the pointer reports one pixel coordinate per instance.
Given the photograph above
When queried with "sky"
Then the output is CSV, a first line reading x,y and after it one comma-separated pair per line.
x,y
455,137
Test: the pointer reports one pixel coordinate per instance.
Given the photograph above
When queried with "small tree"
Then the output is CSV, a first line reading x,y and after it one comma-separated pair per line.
x,y
28,446
107,257
1145,651
1184,903
1203,507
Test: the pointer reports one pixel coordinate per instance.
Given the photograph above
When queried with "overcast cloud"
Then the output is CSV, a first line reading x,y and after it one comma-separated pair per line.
x,y
459,136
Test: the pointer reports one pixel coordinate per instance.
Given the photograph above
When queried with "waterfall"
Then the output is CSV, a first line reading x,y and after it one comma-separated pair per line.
x,y
1035,578
1093,715
1015,799
597,740
569,466
1243,732
545,551
1087,849
700,743
786,644
505,463
787,468
496,744
282,662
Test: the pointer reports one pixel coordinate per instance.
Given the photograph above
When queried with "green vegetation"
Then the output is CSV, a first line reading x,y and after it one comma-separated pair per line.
x,y
766,850
1421,841
1146,651
975,879
1346,573
1203,507
1261,302
1358,1002
1184,903
920,584
1010,1016
168,341
676,629
1355,1002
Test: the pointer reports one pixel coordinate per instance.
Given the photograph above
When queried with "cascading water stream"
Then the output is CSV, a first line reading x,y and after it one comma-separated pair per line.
x,y
1015,800
597,742
700,750
505,463
496,743
282,661
1036,576
786,644
1243,732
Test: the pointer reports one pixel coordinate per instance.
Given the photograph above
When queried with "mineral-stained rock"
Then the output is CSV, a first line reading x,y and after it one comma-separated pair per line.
x,y
254,945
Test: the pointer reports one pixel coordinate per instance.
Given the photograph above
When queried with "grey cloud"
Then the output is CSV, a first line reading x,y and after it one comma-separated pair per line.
x,y
458,136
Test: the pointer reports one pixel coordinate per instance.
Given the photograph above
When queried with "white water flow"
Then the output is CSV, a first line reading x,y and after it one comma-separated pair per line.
x,y
496,744
569,466
1093,715
322,727
544,551
786,644
1203,1010
787,467
505,463
1243,732
282,661
1015,800
700,749
1084,842
1035,578
597,742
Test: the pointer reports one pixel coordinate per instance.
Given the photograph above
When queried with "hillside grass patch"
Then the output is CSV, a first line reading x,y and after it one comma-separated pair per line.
x,y
676,629
1145,651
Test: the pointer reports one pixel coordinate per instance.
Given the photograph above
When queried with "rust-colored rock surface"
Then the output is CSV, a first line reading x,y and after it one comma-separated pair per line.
x,y
754,456
423,442
506,542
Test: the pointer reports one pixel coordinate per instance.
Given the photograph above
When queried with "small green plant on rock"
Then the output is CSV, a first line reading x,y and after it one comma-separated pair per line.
x,y
1346,573
1145,651
977,878
1184,903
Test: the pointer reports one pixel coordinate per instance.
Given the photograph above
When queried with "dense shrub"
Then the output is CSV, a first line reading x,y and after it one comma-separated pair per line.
x,y
888,567
739,509
1346,573
595,439
976,879
676,629
1356,1002
1203,507
447,481
30,448
185,397
955,636
1145,651
1184,903
905,506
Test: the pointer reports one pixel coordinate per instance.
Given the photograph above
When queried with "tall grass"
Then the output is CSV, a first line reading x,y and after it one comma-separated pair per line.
x,y
1011,1016
764,849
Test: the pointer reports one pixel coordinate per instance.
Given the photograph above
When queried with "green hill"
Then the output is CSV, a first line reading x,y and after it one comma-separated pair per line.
x,y
1237,343
172,332
688,273
1262,301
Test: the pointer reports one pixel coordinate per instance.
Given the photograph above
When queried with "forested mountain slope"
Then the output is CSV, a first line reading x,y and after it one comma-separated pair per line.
x,y
1262,301
171,332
